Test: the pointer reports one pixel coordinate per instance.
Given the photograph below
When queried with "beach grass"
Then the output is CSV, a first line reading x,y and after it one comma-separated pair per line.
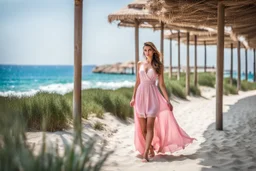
x,y
98,126
16,154
56,109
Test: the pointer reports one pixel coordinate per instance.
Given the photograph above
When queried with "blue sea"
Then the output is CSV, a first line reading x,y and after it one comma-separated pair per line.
x,y
25,80
20,80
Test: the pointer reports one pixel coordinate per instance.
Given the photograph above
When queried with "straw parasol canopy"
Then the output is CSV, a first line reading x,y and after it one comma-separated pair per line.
x,y
137,11
134,11
239,16
202,39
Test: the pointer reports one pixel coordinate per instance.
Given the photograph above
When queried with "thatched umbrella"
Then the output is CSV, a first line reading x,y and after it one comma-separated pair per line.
x,y
134,15
239,15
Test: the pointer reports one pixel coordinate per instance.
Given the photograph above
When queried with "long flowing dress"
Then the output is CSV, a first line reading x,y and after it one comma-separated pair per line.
x,y
149,102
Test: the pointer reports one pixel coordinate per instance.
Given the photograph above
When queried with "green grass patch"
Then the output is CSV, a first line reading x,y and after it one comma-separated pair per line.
x,y
17,155
98,126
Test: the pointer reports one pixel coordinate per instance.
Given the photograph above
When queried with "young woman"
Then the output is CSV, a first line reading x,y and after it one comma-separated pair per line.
x,y
156,129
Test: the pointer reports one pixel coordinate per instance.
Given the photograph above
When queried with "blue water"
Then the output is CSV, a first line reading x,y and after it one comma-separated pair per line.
x,y
27,80
21,80
250,75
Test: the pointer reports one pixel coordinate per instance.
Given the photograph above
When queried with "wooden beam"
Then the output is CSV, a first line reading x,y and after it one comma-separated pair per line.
x,y
205,57
178,72
254,65
246,65
195,65
136,44
170,67
231,64
77,107
238,66
188,68
219,69
162,42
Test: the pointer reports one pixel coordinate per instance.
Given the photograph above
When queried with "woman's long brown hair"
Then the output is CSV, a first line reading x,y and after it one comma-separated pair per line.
x,y
156,59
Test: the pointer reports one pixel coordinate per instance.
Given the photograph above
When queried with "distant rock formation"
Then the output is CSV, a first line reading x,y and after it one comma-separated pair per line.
x,y
118,68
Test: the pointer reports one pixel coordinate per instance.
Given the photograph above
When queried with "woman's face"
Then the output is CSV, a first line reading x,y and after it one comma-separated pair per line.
x,y
148,51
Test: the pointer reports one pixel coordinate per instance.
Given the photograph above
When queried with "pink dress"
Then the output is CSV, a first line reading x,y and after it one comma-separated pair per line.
x,y
168,136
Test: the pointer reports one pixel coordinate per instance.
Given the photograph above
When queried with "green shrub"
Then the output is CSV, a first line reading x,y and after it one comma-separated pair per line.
x,y
195,90
98,126
228,89
206,79
16,155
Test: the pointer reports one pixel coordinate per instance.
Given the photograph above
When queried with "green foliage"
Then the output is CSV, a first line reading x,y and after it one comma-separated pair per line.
x,y
206,79
54,108
245,85
229,89
16,155
98,126
195,90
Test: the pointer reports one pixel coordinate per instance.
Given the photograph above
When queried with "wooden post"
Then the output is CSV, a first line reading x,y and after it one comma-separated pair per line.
x,y
77,108
238,66
246,65
162,42
188,68
254,66
205,57
178,69
170,68
195,65
231,64
136,44
219,62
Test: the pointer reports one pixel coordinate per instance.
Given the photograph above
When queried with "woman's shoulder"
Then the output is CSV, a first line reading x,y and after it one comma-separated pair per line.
x,y
140,62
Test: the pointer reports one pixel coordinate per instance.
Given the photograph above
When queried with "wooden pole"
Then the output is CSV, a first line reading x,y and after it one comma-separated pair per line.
x,y
162,42
246,65
77,108
231,64
136,44
195,66
238,66
170,68
178,71
188,68
254,66
205,57
219,62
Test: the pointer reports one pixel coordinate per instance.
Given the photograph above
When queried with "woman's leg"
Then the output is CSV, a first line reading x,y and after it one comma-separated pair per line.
x,y
149,135
143,126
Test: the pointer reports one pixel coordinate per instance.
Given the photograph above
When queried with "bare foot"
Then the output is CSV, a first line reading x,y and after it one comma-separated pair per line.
x,y
145,157
151,152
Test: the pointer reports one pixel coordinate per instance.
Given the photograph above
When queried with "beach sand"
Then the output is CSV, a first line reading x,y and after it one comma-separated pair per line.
x,y
231,149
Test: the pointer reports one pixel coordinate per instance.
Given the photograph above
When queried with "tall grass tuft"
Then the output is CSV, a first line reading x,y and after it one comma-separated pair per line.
x,y
245,85
55,108
17,155
229,89
206,79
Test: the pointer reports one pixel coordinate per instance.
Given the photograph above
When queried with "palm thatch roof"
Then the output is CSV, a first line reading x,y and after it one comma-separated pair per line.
x,y
208,39
239,15
136,11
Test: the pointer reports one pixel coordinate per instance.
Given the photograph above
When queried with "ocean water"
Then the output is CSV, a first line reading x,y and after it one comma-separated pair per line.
x,y
19,80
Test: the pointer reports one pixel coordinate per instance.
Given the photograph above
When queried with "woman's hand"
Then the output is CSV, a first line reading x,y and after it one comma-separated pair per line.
x,y
170,106
132,102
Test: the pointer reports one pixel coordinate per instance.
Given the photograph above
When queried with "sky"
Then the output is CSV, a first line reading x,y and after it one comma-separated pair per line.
x,y
42,33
